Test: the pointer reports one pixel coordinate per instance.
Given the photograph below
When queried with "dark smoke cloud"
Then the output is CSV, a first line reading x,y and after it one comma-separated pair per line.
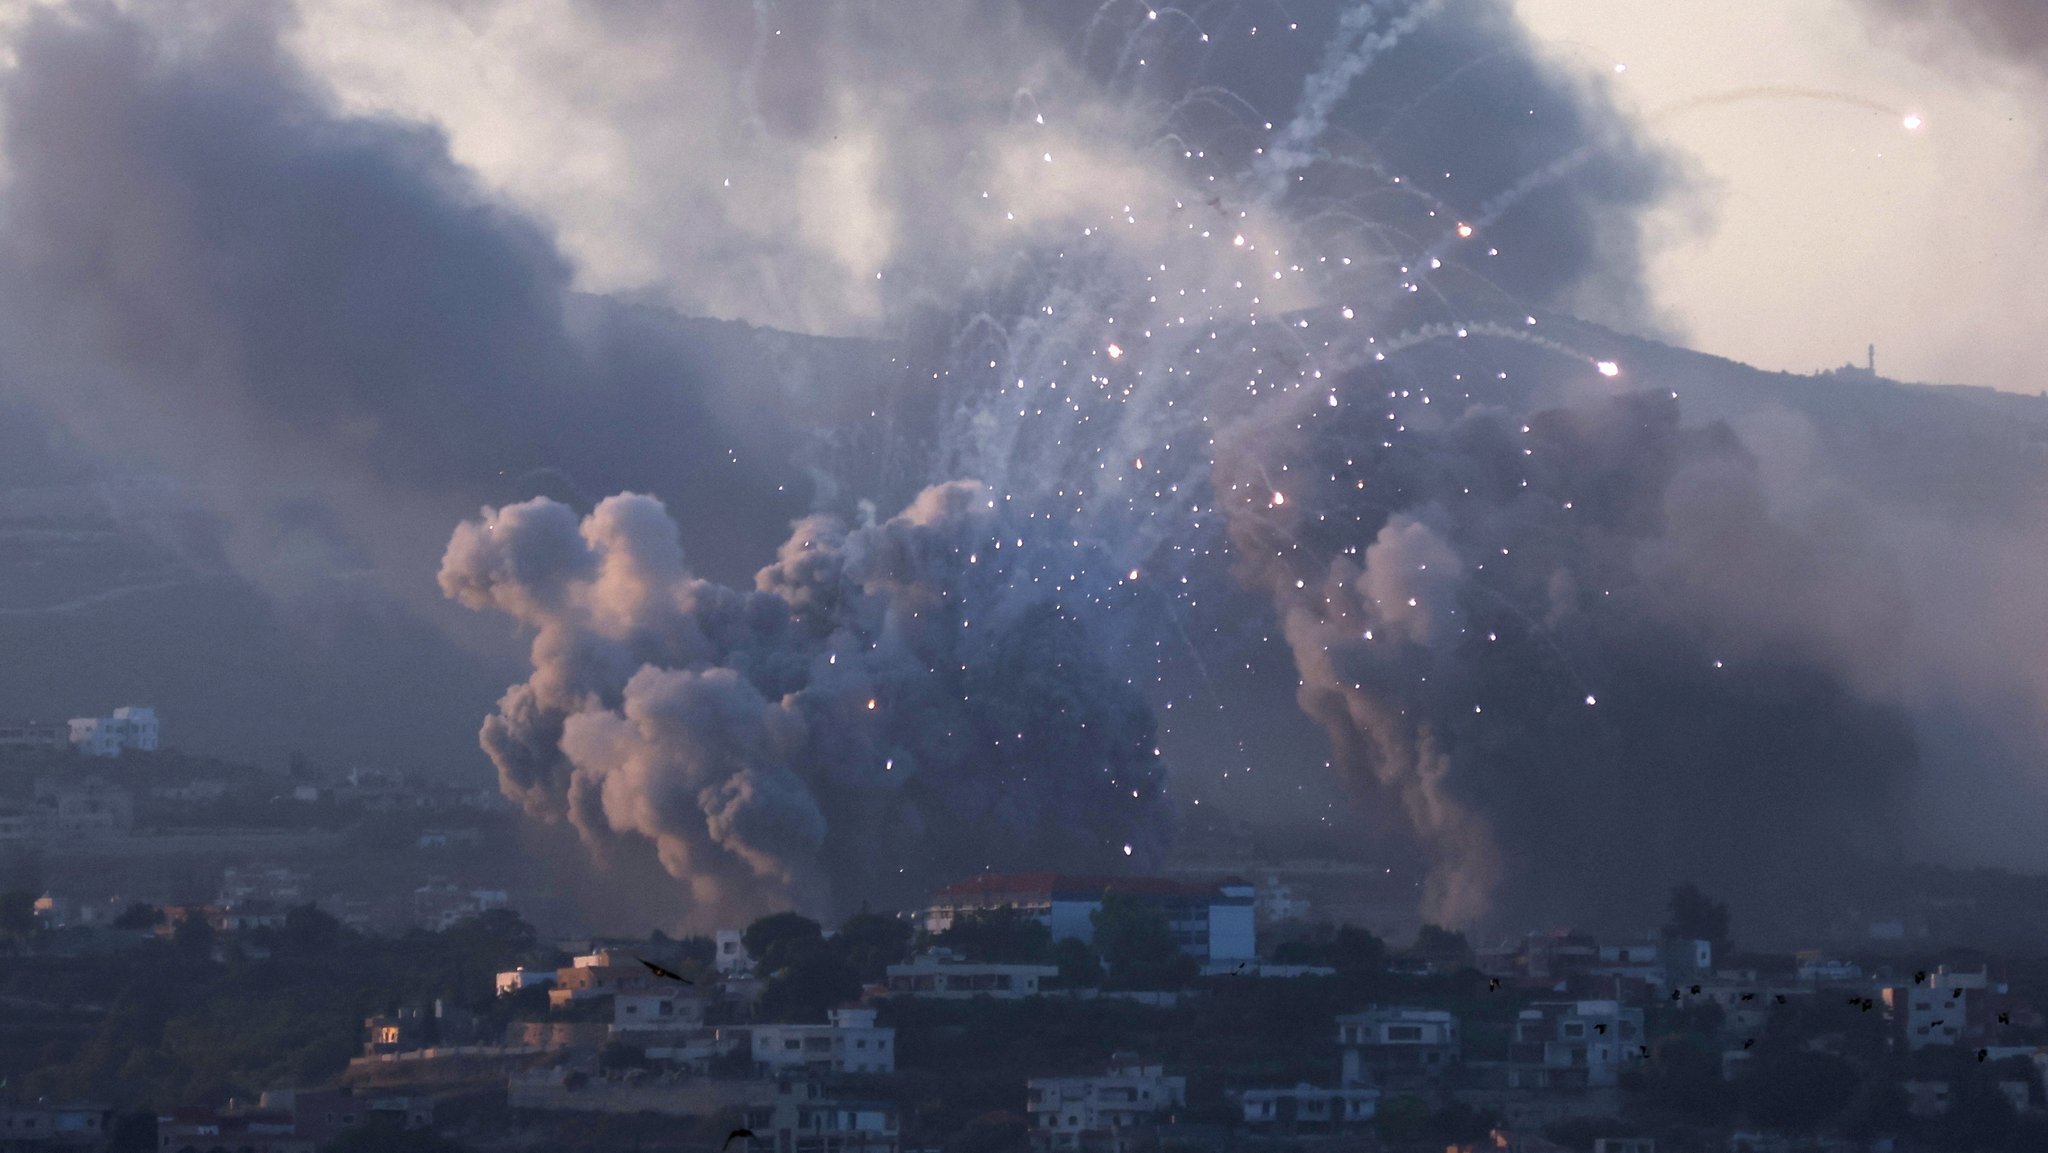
x,y
1579,649
887,708
2016,30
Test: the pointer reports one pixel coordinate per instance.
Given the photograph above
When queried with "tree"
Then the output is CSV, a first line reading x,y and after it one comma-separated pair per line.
x,y
1402,1118
1698,917
1798,1090
17,913
1004,936
1442,947
1129,932
1079,967
777,940
140,915
1356,950
802,990
871,943
194,937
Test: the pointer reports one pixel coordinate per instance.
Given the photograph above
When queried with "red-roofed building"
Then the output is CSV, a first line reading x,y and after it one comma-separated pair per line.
x,y
1212,922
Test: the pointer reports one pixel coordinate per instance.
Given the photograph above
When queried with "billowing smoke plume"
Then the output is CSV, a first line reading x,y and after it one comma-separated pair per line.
x,y
889,706
2016,30
1523,629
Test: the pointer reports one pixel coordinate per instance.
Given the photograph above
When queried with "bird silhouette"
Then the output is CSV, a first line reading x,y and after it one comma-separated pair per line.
x,y
1749,1044
1919,976
1956,992
1695,990
1981,1054
1749,996
1493,985
1781,998
1602,1029
735,1135
2005,1018
658,971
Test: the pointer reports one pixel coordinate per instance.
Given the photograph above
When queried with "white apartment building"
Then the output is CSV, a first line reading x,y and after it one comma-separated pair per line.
x,y
1936,1011
1072,1113
850,1042
731,956
130,727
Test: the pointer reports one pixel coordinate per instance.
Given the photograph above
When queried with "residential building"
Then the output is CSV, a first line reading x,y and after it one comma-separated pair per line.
x,y
43,1126
849,1042
1100,1111
938,973
804,1118
400,1032
1397,1046
84,809
321,1115
130,727
34,735
1573,1044
666,1010
731,955
1938,1010
439,905
244,1131
1307,1107
1624,1145
1211,922
513,980
273,883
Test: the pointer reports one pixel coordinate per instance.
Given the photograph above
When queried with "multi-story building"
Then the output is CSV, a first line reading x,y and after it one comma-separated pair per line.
x,y
513,980
849,1042
1211,922
1938,1010
938,973
1397,1046
657,1011
1573,1044
130,727
730,954
804,1118
1306,1107
34,735
1102,1111
72,810
439,905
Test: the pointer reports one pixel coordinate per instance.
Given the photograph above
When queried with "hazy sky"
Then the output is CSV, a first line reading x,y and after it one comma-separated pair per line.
x,y
1819,227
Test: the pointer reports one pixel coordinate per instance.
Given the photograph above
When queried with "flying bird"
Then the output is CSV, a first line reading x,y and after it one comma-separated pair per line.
x,y
1750,1043
665,974
734,1136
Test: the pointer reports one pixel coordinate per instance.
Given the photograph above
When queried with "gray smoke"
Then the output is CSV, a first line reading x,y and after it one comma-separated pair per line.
x,y
2016,30
890,706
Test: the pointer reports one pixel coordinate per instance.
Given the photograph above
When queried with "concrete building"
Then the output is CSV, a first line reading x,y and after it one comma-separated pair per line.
x,y
34,735
244,1131
1397,1046
1938,1010
804,1118
849,1042
657,1011
731,954
75,810
938,973
321,1115
1573,1045
130,727
513,980
439,906
1211,922
43,1126
1101,1111
1306,1107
